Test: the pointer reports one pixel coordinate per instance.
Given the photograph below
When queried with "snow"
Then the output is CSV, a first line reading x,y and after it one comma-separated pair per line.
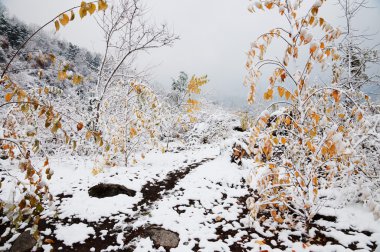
x,y
201,205
71,234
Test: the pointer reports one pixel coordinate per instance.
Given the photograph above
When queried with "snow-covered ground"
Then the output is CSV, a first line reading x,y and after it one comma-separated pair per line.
x,y
195,192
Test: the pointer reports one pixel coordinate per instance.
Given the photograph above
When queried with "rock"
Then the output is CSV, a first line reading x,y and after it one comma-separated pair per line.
x,y
24,243
162,237
238,128
109,190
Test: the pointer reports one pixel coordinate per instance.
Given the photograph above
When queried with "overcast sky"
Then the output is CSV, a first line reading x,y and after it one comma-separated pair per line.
x,y
215,34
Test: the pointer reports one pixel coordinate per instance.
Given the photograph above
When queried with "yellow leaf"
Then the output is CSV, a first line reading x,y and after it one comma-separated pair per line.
x,y
88,135
52,58
269,94
260,242
64,19
195,84
83,10
62,75
259,5
316,117
287,120
102,5
360,116
324,150
132,132
77,79
310,146
275,140
91,8
56,23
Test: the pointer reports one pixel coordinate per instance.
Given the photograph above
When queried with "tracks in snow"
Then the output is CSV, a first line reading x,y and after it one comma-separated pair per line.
x,y
154,191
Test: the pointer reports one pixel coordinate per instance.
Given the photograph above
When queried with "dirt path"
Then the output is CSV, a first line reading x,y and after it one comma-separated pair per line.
x,y
152,193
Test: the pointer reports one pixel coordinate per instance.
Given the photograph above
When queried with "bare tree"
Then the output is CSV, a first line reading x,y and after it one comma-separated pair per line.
x,y
126,33
357,57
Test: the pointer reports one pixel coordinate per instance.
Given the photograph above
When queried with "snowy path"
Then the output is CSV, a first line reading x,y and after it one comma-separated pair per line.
x,y
197,194
199,207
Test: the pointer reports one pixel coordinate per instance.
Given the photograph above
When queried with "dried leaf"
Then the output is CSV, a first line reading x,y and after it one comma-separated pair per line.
x,y
8,97
79,126
102,5
64,19
56,23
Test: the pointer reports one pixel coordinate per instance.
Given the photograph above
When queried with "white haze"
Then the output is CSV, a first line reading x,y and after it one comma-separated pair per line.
x,y
215,34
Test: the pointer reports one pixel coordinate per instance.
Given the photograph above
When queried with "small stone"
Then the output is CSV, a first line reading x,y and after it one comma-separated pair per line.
x,y
163,237
24,243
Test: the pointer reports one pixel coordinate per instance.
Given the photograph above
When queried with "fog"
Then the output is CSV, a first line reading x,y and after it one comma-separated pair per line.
x,y
214,36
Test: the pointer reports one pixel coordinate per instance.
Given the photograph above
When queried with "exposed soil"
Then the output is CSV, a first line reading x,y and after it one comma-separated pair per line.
x,y
154,191
319,239
97,241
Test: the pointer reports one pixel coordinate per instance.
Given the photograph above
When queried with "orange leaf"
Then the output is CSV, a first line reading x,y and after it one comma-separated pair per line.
x,y
281,91
283,140
49,241
79,126
287,121
261,242
269,94
315,181
287,95
335,94
8,97
64,19
46,163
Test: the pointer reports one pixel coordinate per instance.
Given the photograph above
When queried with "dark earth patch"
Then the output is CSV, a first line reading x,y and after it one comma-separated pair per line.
x,y
109,190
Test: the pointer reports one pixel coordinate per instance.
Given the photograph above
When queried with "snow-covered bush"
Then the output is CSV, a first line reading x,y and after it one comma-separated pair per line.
x,y
310,144
30,117
181,109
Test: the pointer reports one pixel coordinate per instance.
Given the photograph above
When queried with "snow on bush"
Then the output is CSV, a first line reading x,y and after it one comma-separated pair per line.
x,y
310,145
